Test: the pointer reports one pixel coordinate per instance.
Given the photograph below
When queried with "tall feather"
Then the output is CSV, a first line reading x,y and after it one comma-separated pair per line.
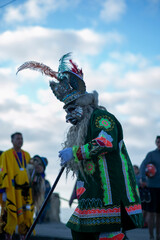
x,y
44,69
75,69
63,63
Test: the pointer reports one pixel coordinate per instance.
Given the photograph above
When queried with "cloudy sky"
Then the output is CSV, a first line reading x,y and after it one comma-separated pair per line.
x,y
116,42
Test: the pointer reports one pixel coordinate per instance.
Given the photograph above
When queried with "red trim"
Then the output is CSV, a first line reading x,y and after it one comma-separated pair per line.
x,y
120,236
97,211
79,154
133,208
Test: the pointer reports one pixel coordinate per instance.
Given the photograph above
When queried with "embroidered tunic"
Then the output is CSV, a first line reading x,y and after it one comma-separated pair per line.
x,y
108,196
14,178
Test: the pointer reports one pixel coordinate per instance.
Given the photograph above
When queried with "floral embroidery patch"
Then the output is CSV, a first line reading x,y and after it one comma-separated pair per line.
x,y
105,122
103,142
90,167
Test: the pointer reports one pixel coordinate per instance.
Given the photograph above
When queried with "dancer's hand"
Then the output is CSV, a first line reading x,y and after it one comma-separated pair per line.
x,y
66,155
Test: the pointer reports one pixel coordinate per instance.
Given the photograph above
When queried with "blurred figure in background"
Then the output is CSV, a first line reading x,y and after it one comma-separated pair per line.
x,y
15,184
35,170
151,167
40,189
2,203
137,174
144,194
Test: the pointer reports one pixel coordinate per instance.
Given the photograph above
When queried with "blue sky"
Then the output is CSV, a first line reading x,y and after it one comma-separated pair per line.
x,y
116,42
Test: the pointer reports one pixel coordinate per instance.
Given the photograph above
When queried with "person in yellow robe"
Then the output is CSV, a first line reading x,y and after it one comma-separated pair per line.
x,y
2,203
17,192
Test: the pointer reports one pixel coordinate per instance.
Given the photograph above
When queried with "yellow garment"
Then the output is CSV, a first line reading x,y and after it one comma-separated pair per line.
x,y
2,204
19,202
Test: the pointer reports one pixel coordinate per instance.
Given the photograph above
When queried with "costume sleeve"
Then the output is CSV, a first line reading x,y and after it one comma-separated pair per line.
x,y
106,140
4,171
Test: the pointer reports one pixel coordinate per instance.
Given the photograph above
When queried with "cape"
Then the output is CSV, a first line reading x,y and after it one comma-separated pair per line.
x,y
14,180
108,196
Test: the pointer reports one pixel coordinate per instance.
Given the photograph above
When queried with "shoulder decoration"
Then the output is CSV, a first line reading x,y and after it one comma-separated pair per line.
x,y
104,122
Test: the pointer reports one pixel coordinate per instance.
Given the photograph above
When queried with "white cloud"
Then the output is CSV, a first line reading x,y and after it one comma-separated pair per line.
x,y
113,10
130,59
146,79
33,10
138,112
41,44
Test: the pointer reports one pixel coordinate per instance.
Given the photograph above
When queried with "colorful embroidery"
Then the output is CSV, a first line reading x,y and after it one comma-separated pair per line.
x,y
105,122
75,149
105,180
104,139
94,221
135,209
80,189
111,236
105,135
92,148
90,167
125,173
103,142
90,203
85,151
81,153
96,216
96,212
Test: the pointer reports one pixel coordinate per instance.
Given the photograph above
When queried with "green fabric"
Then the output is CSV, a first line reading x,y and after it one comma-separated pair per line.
x,y
109,181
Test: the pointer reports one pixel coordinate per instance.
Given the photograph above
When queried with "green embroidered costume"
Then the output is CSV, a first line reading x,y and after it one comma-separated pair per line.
x,y
108,197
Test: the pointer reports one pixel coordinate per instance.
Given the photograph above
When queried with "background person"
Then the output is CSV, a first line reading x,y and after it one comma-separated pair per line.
x,y
19,204
40,189
2,200
144,194
36,174
153,183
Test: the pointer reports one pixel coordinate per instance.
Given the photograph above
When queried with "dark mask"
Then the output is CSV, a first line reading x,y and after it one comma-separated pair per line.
x,y
74,114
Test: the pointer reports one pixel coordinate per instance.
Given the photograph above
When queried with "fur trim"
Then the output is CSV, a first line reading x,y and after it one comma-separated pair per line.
x,y
88,99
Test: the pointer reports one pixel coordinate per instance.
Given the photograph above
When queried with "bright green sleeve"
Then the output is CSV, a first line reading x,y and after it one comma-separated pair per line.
x,y
106,140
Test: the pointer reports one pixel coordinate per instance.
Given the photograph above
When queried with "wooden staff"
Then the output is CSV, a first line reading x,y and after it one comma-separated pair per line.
x,y
44,204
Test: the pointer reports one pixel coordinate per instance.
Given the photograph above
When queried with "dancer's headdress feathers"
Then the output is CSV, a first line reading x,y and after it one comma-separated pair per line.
x,y
70,85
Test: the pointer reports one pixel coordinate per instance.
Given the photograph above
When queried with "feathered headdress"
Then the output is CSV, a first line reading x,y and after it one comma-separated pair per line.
x,y
70,85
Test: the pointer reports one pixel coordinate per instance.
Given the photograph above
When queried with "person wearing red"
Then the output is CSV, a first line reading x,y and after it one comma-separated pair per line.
x,y
152,181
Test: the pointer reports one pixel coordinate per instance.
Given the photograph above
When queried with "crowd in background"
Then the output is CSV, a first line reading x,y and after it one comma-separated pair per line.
x,y
23,189
148,181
